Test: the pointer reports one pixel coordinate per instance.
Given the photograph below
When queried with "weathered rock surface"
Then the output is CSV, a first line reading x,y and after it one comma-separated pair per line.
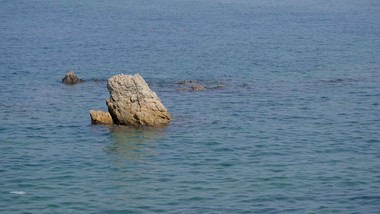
x,y
71,78
132,102
100,117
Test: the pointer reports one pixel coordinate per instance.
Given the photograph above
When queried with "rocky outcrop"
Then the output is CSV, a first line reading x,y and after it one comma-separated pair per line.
x,y
132,102
100,117
71,78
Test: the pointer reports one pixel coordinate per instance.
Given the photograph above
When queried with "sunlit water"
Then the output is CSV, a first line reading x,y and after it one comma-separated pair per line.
x,y
296,129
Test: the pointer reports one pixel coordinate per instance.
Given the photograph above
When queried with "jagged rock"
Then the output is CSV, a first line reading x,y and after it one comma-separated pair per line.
x,y
71,78
132,102
100,117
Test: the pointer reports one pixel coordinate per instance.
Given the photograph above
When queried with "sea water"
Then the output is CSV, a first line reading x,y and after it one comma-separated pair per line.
x,y
295,130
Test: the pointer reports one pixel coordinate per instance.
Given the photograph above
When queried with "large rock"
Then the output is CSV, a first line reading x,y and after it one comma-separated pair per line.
x,y
71,78
132,102
100,117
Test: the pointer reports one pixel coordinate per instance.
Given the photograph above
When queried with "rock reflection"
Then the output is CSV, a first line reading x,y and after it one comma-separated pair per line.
x,y
134,144
133,165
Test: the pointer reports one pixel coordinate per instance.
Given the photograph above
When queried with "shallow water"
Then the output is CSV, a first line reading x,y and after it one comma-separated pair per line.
x,y
294,131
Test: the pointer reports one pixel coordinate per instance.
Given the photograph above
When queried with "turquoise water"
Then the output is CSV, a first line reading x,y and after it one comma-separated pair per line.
x,y
296,130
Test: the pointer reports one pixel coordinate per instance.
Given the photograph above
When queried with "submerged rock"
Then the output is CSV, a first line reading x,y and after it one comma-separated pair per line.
x,y
185,82
193,85
100,117
197,88
71,78
132,102
183,89
193,88
181,83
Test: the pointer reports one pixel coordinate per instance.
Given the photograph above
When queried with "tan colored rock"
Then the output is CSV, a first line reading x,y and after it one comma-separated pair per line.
x,y
132,102
100,117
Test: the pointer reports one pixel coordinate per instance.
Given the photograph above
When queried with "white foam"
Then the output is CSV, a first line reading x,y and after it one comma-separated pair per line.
x,y
18,192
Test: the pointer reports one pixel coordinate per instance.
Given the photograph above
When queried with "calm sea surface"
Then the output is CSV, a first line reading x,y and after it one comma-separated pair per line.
x,y
296,130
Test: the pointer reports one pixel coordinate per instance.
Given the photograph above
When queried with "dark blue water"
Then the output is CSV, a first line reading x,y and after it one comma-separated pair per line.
x,y
296,130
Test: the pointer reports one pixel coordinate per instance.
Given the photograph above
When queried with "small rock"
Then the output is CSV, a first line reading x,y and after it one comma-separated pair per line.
x,y
197,88
193,81
220,86
193,88
71,78
182,82
100,117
